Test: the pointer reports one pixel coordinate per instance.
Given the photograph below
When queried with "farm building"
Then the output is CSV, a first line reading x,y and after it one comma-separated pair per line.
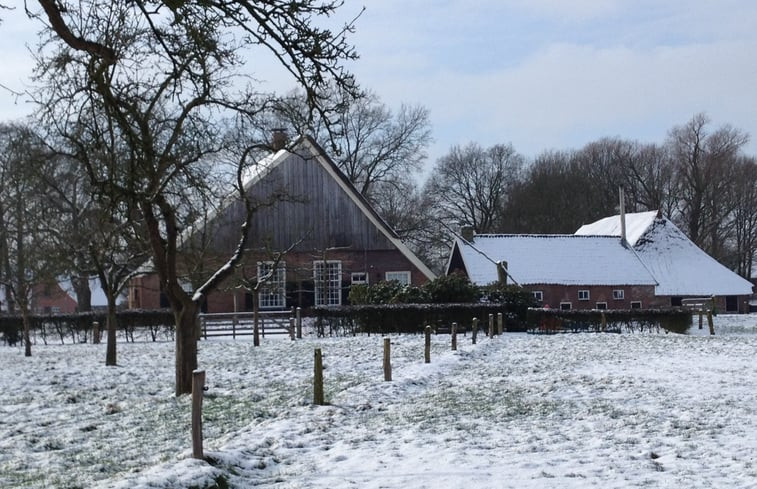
x,y
681,268
312,237
649,264
562,271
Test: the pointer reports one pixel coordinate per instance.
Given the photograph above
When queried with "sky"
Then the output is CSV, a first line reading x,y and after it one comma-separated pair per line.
x,y
539,74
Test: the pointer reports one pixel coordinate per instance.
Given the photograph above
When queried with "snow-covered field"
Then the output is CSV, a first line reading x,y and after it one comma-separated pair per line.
x,y
520,411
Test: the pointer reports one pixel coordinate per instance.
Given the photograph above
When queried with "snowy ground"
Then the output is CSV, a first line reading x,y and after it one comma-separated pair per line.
x,y
521,411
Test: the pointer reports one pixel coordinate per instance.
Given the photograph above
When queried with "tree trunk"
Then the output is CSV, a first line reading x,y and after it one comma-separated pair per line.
x,y
83,294
110,352
27,329
187,317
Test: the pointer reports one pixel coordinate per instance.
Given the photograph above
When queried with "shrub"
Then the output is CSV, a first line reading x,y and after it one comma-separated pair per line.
x,y
454,288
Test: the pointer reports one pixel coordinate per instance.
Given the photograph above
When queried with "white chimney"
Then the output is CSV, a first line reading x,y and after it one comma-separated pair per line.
x,y
622,216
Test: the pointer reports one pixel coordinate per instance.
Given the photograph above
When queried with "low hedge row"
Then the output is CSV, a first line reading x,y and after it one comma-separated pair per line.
x,y
78,327
411,318
674,320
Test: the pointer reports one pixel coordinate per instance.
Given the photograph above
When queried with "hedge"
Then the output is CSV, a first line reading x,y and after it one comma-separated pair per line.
x,y
411,318
78,327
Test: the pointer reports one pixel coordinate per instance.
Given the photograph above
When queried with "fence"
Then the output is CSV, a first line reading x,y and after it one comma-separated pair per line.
x,y
288,322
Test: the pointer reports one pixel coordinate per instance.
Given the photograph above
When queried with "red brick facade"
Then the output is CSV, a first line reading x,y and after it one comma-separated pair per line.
x,y
144,291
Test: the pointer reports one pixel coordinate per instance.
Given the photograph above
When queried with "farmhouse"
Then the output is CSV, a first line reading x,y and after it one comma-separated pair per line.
x,y
312,237
681,268
565,271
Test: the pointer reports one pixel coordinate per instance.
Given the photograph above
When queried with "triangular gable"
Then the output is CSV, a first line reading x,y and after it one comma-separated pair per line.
x,y
308,143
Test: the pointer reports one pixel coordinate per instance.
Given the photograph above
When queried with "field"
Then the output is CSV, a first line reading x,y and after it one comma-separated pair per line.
x,y
520,411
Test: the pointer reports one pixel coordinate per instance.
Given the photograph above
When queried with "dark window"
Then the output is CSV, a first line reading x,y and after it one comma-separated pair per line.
x,y
601,305
731,303
565,306
676,301
635,304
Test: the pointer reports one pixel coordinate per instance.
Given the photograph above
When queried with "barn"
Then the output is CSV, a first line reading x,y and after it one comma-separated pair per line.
x,y
562,271
682,269
312,237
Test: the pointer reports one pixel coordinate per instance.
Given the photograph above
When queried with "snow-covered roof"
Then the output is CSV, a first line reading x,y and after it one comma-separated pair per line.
x,y
636,225
680,267
553,259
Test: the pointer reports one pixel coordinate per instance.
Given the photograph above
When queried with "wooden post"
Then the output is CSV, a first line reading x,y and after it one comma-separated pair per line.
x,y
198,388
427,355
204,327
475,329
491,326
700,319
454,336
500,323
604,322
387,360
234,328
298,315
710,323
96,332
318,379
262,327
291,329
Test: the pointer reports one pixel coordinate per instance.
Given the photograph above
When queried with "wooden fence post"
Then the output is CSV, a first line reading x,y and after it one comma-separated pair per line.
x,y
710,323
318,379
427,354
298,315
291,329
491,326
475,329
454,336
387,360
603,322
198,388
700,319
96,332
500,323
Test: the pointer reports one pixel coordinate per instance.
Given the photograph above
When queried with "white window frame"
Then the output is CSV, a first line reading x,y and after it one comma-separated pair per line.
x,y
569,306
584,295
538,295
327,282
618,294
359,278
401,276
601,306
272,293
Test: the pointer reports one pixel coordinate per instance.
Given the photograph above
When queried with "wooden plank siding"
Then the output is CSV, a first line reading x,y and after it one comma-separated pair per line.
x,y
307,208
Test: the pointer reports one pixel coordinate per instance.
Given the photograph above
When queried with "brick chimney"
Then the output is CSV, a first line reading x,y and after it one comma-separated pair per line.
x,y
278,138
467,233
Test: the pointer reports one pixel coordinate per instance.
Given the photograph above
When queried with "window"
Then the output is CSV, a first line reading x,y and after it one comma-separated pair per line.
x,y
601,306
327,277
618,294
583,295
538,295
272,292
635,304
55,310
359,278
401,277
566,306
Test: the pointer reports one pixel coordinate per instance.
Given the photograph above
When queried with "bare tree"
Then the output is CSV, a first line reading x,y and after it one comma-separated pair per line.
x,y
470,185
374,145
703,161
24,213
159,77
